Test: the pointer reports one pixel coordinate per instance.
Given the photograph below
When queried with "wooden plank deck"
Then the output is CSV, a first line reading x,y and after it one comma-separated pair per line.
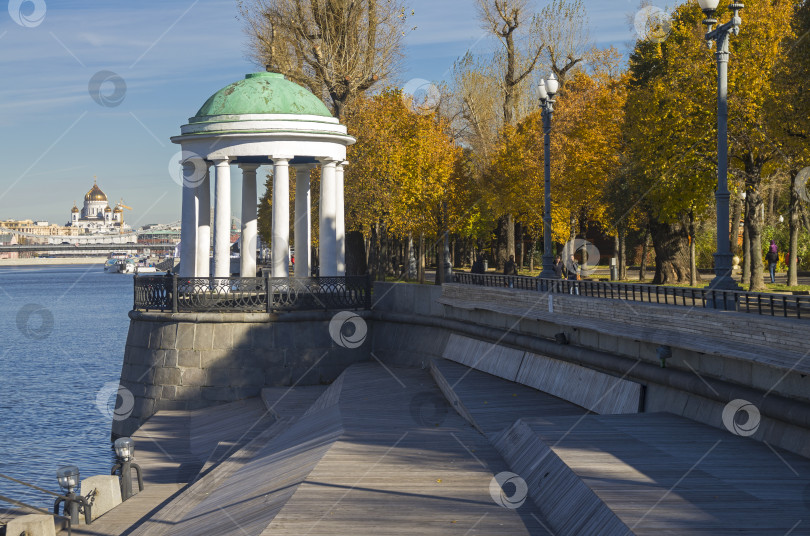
x,y
393,473
494,403
663,474
171,448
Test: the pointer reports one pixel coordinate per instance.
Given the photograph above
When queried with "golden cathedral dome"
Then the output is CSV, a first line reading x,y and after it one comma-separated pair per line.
x,y
107,209
75,209
118,209
95,194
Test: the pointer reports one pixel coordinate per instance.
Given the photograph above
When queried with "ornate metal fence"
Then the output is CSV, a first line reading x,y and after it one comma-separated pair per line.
x,y
250,294
785,305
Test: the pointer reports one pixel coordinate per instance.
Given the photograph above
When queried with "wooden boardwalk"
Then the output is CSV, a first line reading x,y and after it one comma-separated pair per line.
x,y
495,404
404,464
171,448
381,451
655,474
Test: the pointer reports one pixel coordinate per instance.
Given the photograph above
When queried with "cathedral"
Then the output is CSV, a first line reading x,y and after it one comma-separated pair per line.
x,y
96,217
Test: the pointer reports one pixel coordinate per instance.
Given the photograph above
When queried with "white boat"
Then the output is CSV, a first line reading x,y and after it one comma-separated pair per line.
x,y
139,269
126,266
120,266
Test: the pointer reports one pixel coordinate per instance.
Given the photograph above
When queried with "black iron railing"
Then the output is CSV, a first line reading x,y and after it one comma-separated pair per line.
x,y
784,305
250,294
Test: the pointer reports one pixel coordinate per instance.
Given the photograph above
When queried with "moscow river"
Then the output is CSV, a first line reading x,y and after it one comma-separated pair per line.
x,y
64,330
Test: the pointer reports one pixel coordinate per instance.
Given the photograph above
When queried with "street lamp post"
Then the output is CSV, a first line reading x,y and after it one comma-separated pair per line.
x,y
125,452
548,88
720,36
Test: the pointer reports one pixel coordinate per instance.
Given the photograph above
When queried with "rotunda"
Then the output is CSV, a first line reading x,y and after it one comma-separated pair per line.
x,y
264,119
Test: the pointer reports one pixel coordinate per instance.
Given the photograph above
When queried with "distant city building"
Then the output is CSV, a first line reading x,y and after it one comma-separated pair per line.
x,y
95,223
157,236
34,229
8,239
96,216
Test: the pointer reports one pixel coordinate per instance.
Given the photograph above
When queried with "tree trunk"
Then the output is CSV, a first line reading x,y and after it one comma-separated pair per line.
x,y
616,253
531,253
642,271
421,260
793,218
501,244
671,245
355,253
693,275
572,222
368,245
746,267
374,251
519,241
753,181
622,254
411,272
510,236
734,232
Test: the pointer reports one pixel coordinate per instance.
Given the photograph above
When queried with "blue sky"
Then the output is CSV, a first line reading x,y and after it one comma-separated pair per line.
x,y
171,56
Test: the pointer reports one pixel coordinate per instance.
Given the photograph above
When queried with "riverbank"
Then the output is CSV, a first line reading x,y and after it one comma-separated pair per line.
x,y
49,261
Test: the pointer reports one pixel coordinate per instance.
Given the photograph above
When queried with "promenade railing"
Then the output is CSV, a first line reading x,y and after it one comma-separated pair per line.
x,y
763,303
250,294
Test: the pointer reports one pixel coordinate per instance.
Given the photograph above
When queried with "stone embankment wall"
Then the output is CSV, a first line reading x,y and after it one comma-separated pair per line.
x,y
718,358
186,361
189,361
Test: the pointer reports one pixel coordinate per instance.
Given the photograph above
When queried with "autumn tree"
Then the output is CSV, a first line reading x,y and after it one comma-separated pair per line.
x,y
788,110
337,48
672,111
586,147
403,178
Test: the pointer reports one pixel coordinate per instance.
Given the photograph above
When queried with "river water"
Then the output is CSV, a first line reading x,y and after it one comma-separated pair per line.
x,y
63,334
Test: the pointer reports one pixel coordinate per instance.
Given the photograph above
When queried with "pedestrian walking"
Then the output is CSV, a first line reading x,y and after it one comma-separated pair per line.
x,y
478,265
558,266
510,268
772,257
573,274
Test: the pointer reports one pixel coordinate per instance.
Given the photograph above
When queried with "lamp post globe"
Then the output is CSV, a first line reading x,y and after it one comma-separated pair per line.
x,y
68,477
552,85
124,448
708,6
541,91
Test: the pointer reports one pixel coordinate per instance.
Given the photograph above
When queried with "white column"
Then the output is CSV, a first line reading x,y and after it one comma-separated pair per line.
x,y
340,222
326,236
188,227
303,221
204,226
281,216
247,245
222,218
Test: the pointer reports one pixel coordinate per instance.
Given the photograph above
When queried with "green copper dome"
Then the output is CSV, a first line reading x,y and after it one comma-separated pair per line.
x,y
263,93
